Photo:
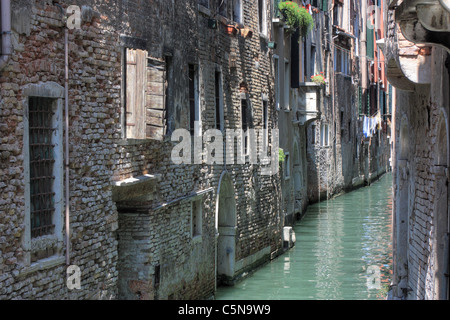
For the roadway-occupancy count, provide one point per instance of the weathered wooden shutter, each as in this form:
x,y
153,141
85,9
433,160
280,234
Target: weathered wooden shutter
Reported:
x,y
135,95
155,105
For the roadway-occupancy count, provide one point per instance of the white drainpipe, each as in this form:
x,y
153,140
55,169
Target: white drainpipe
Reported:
x,y
67,160
5,33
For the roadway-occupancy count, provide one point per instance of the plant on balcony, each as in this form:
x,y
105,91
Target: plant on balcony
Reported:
x,y
281,156
319,78
296,17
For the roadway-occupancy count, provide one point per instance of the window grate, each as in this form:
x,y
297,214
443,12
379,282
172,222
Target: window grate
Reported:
x,y
42,162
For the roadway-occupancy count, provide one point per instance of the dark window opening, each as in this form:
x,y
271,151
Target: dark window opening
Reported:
x,y
42,161
244,115
192,97
157,275
218,100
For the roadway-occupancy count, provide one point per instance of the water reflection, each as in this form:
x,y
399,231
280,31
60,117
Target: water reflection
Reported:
x,y
343,251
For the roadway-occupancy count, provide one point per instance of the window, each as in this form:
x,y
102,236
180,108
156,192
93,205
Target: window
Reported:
x,y
194,111
324,135
218,100
145,80
265,123
287,166
313,61
245,126
44,156
313,134
276,67
42,160
157,276
342,61
222,7
43,163
304,61
262,16
237,11
169,102
349,130
287,85
338,14
196,218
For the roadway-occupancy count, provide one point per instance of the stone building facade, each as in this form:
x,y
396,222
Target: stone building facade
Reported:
x,y
137,224
418,64
297,102
340,157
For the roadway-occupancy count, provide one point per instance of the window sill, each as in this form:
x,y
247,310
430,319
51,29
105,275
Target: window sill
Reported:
x,y
206,11
197,239
42,265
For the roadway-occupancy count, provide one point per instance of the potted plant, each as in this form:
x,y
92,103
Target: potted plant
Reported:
x,y
319,78
231,29
246,32
296,17
281,156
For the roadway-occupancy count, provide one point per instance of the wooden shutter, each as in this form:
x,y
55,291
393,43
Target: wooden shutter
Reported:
x,y
370,42
135,95
156,93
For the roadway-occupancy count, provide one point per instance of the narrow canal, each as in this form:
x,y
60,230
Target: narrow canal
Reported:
x,y
343,252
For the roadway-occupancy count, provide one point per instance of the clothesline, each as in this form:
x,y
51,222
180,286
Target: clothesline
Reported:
x,y
371,124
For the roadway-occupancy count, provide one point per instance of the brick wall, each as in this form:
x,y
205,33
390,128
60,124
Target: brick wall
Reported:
x,y
106,235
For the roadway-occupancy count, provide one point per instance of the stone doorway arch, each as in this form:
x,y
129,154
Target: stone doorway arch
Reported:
x,y
225,230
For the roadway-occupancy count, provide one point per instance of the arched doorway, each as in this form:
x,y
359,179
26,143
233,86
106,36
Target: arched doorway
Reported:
x,y
226,230
298,179
441,219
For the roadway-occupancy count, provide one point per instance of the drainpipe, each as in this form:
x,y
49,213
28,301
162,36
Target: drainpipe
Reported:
x,y
5,33
67,160
66,111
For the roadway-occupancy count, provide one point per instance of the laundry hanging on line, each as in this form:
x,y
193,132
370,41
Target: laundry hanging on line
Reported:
x,y
371,124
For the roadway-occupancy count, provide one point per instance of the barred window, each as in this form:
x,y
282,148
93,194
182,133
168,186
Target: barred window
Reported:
x,y
42,161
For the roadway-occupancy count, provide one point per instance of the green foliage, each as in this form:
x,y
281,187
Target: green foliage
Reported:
x,y
297,17
319,78
281,155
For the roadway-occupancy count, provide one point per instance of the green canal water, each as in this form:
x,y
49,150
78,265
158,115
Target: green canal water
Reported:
x,y
343,252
